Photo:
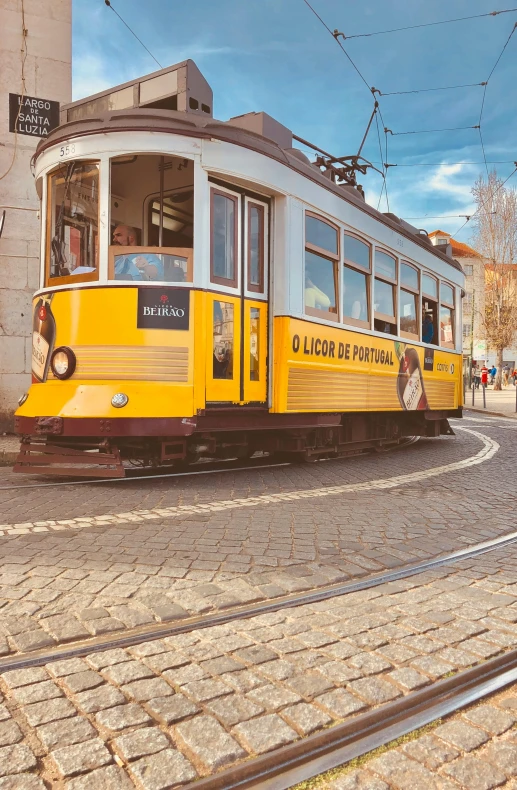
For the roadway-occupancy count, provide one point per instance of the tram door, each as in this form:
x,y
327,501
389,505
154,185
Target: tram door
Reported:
x,y
238,299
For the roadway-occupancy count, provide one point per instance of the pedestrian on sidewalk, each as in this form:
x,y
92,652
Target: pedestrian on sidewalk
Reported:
x,y
493,371
476,376
514,376
484,376
506,375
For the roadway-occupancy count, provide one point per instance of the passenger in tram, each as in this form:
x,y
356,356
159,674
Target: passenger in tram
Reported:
x,y
314,297
135,267
427,329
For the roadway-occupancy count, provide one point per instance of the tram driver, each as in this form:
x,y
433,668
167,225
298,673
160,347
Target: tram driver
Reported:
x,y
135,266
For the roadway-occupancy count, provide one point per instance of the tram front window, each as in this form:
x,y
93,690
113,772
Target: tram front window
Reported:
x,y
152,219
73,214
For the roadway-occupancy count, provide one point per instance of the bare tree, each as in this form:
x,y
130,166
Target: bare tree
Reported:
x,y
495,237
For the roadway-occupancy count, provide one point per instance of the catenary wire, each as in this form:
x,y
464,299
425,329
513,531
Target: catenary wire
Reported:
x,y
333,34
500,186
108,3
426,90
449,164
484,97
439,216
24,52
426,131
430,24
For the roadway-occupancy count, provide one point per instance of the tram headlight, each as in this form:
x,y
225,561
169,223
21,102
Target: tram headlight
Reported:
x,y
23,398
63,362
119,400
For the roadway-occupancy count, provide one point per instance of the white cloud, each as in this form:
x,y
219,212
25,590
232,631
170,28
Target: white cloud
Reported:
x,y
90,75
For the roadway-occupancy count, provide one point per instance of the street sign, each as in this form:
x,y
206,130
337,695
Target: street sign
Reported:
x,y
32,116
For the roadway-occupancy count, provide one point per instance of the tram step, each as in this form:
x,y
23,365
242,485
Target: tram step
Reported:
x,y
49,459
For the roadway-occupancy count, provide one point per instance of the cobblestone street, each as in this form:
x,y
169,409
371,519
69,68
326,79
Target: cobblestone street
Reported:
x,y
110,559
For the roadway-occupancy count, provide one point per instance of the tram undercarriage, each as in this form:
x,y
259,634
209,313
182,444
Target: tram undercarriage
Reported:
x,y
47,449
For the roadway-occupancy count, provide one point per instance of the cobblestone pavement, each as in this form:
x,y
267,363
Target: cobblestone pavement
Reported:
x,y
70,584
473,750
168,711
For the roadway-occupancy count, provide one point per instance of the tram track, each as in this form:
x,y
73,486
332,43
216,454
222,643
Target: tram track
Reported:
x,y
220,467
332,747
136,636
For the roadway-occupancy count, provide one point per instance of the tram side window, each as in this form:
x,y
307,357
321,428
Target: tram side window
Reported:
x,y
321,265
152,218
429,310
384,296
256,251
73,223
223,264
409,301
446,316
356,281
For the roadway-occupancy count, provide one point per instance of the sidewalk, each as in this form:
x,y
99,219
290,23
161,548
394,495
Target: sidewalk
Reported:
x,y
502,402
9,448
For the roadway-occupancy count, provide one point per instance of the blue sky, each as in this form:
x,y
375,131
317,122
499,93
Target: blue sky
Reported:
x,y
275,56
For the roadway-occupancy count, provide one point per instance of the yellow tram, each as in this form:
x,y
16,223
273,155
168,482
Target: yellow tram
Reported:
x,y
208,291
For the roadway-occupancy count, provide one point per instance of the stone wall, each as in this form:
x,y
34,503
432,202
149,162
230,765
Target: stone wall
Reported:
x,y
48,75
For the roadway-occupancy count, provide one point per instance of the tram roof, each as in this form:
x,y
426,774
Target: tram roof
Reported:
x,y
205,127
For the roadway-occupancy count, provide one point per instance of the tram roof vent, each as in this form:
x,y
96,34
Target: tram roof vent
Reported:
x,y
263,124
180,87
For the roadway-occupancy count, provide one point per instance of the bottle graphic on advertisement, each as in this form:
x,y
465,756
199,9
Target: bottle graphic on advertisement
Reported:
x,y
410,381
43,337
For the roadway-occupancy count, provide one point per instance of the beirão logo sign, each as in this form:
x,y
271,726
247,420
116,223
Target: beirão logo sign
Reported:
x,y
163,308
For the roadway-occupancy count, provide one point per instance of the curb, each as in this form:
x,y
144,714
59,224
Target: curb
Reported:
x,y
492,413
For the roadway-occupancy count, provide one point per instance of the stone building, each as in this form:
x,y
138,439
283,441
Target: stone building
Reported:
x,y
35,61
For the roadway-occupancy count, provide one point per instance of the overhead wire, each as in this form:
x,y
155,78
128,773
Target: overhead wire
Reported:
x,y
429,24
428,131
24,52
426,90
334,35
484,97
385,164
108,3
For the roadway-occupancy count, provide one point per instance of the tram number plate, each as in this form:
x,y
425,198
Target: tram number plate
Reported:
x,y
163,308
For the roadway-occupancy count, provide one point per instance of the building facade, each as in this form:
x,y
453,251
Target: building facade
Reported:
x,y
35,61
475,267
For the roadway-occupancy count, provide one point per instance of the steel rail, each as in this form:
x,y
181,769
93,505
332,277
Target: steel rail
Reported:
x,y
257,465
327,749
159,631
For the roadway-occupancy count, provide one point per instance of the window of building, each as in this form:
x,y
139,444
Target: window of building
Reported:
x,y
467,300
446,315
429,310
223,261
409,301
467,331
356,281
321,265
468,268
73,224
384,293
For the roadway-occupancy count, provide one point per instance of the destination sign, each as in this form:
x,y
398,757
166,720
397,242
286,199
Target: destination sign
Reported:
x,y
32,116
